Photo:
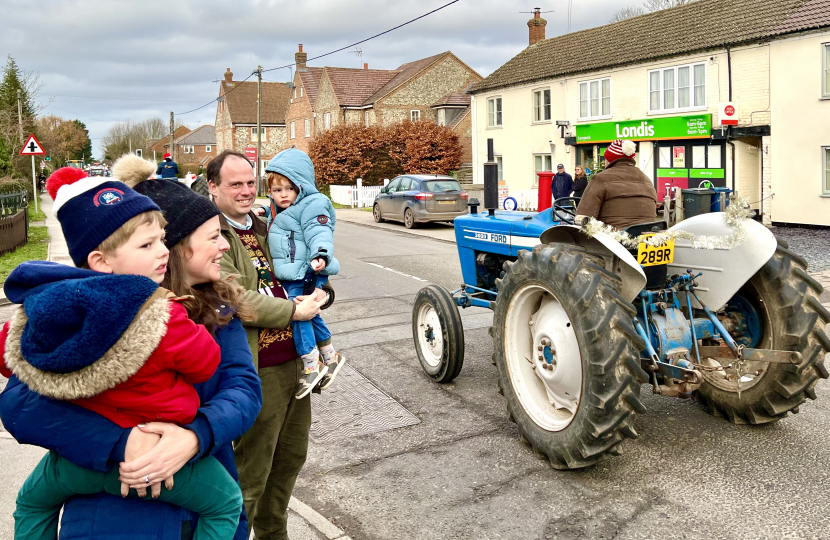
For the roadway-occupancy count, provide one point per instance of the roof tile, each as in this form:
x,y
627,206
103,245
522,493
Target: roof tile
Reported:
x,y
241,100
310,78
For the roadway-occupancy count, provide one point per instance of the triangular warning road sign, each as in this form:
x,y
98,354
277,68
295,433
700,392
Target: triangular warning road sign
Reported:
x,y
32,147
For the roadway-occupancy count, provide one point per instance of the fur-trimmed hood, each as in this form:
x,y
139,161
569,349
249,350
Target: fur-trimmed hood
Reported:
x,y
80,332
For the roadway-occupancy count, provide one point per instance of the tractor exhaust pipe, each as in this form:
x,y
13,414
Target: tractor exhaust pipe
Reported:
x,y
491,181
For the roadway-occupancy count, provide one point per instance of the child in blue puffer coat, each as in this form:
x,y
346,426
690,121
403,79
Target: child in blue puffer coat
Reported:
x,y
301,239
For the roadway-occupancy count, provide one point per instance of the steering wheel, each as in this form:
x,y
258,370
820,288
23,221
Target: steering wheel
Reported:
x,y
568,211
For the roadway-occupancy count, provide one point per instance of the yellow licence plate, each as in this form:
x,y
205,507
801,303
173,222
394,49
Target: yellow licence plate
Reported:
x,y
446,202
653,255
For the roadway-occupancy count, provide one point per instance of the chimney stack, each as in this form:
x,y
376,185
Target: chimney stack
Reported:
x,y
300,59
536,27
228,76
365,65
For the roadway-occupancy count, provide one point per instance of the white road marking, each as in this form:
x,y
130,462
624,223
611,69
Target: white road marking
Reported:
x,y
399,273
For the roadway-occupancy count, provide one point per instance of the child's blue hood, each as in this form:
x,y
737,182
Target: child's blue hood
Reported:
x,y
295,165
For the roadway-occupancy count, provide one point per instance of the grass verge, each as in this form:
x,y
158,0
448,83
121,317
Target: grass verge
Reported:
x,y
35,216
364,209
34,250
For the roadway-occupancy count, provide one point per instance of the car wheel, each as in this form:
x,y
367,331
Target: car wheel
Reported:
x,y
409,219
376,214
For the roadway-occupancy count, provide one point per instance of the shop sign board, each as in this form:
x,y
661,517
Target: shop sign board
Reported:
x,y
706,173
673,127
728,114
250,153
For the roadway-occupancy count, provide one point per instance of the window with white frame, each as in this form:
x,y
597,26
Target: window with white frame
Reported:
x,y
414,115
208,148
494,114
301,91
677,88
541,105
500,168
595,99
295,93
254,137
293,133
327,121
541,162
188,149
826,183
442,117
825,71
307,127
366,118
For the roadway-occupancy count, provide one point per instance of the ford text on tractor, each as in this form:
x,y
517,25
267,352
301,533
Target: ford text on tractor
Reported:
x,y
581,322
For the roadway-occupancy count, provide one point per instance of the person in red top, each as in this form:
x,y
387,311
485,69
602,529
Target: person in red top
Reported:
x,y
106,337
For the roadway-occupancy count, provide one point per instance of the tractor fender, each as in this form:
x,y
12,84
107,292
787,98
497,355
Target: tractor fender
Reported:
x,y
632,275
725,271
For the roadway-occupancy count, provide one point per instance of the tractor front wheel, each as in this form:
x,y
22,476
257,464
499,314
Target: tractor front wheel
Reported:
x,y
438,333
567,354
779,309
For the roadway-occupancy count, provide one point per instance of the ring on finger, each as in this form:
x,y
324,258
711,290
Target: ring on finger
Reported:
x,y
147,479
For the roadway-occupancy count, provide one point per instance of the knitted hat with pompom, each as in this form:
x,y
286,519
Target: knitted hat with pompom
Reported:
x,y
619,149
90,209
184,209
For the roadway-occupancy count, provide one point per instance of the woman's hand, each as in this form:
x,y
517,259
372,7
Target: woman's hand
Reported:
x,y
308,306
138,444
175,448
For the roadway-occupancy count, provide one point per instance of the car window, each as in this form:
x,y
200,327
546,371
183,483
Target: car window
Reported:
x,y
393,185
406,184
440,186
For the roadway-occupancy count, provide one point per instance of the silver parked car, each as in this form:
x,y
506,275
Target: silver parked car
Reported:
x,y
420,198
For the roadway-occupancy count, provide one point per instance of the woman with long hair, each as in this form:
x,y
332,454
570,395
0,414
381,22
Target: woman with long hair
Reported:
x,y
149,455
580,181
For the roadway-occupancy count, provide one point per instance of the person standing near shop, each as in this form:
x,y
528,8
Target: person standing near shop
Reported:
x,y
562,183
168,167
580,181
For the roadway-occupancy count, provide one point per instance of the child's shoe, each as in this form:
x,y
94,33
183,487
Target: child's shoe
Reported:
x,y
311,378
333,366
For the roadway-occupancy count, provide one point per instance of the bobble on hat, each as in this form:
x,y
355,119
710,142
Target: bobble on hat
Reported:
x,y
63,177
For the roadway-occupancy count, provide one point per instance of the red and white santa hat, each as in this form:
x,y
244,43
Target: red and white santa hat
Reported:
x,y
619,149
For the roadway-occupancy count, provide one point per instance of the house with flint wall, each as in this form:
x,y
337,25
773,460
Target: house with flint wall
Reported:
x,y
430,89
236,117
664,80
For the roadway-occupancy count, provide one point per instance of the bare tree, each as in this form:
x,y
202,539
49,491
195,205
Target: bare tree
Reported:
x,y
657,5
626,13
128,135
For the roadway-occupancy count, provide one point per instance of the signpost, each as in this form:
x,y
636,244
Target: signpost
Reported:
x,y
33,148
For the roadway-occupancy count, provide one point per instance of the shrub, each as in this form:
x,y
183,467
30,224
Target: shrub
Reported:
x,y
345,153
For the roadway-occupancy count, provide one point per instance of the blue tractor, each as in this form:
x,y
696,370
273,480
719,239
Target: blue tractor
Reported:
x,y
581,323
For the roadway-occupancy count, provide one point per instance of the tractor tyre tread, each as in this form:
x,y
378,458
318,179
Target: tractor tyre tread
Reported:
x,y
611,371
797,319
452,330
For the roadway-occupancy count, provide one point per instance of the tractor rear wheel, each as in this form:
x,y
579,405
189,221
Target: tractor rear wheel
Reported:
x,y
567,354
438,333
781,309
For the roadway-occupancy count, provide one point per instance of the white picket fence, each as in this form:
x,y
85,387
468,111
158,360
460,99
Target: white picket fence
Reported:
x,y
357,196
527,199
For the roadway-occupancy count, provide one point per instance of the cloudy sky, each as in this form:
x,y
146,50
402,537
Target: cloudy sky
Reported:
x,y
148,57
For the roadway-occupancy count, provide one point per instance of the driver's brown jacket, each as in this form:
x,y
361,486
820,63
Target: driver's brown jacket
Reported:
x,y
620,196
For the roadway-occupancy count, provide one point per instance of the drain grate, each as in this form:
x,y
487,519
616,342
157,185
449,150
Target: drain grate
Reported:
x,y
353,406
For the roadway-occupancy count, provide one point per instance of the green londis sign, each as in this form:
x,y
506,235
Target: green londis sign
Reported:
x,y
672,173
674,127
706,173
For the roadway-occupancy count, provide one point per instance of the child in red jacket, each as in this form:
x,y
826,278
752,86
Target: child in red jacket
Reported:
x,y
115,343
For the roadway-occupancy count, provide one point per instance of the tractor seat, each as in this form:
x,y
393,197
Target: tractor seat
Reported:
x,y
655,275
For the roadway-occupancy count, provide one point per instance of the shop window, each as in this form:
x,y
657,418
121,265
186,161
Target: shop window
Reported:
x,y
595,99
665,161
826,186
541,162
541,105
677,88
825,87
307,127
714,161
698,157
293,133
494,114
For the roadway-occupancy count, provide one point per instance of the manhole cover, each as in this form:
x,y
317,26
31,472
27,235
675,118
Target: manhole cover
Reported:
x,y
354,406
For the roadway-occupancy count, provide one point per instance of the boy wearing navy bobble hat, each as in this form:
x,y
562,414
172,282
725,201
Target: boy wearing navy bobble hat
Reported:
x,y
106,337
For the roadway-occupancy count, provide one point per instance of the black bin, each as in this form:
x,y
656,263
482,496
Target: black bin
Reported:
x,y
697,201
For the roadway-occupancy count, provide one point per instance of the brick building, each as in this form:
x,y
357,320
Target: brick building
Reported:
x,y
194,149
659,79
236,116
430,89
158,147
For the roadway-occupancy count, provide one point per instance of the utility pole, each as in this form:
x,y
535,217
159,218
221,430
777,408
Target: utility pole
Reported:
x,y
258,126
20,116
172,156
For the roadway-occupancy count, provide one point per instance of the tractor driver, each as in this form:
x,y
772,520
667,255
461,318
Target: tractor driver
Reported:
x,y
621,195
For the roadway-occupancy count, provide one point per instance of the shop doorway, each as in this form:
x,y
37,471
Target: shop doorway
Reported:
x,y
688,164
